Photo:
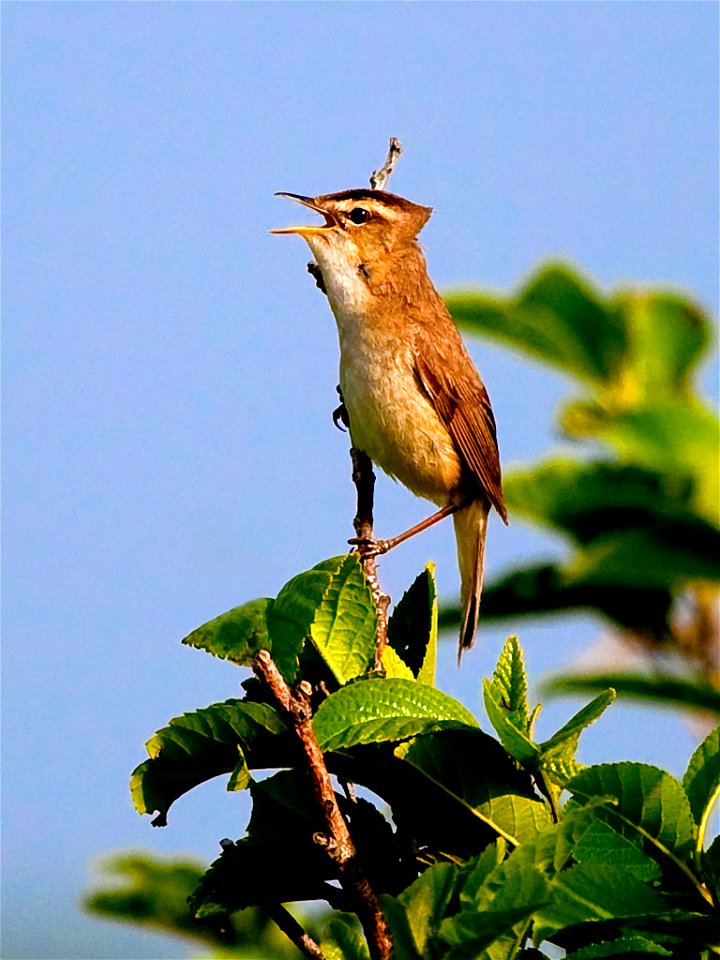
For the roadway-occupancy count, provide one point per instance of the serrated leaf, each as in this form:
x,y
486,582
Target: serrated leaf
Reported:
x,y
557,755
236,635
509,684
198,746
412,628
255,872
624,946
648,800
332,605
702,780
476,772
517,743
508,898
590,892
373,711
345,623
425,903
600,844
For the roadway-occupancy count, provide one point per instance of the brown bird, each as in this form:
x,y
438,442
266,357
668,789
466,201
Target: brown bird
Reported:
x,y
416,404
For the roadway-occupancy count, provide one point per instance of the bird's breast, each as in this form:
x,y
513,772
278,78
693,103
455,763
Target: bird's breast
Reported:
x,y
391,419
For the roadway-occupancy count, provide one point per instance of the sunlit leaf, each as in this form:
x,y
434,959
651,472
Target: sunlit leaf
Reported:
x,y
372,711
236,635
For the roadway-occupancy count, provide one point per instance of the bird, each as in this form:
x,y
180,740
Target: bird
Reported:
x,y
415,402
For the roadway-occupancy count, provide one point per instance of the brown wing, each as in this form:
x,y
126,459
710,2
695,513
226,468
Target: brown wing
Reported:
x,y
461,400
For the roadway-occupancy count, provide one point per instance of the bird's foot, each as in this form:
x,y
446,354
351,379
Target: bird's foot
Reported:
x,y
370,547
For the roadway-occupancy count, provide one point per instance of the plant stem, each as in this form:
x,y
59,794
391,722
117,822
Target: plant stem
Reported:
x,y
294,932
336,841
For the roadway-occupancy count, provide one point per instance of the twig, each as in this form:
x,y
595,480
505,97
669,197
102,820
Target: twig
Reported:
x,y
364,480
338,843
379,178
294,932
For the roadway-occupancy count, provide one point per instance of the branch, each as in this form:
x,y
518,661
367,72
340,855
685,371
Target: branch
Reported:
x,y
295,705
294,932
364,480
379,178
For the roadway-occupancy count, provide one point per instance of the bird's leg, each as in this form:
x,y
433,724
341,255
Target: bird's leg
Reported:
x,y
370,547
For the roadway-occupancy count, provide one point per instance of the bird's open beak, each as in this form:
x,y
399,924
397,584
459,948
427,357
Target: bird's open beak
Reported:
x,y
309,202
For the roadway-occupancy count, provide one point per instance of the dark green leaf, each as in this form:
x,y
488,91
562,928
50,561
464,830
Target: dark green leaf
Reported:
x,y
658,688
592,892
702,779
543,589
631,947
473,769
198,746
371,711
600,844
710,860
647,799
412,628
424,904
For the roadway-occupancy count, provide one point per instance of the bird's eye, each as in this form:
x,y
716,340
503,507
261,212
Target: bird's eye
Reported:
x,y
359,215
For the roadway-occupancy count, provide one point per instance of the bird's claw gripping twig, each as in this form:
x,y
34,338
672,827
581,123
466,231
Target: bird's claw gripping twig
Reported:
x,y
370,547
340,414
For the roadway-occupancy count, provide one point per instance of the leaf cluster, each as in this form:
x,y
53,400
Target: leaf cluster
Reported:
x,y
463,834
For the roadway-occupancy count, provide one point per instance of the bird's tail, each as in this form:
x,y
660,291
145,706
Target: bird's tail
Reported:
x,y
470,530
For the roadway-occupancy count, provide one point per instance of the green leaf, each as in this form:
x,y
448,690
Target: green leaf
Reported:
x,y
676,437
236,635
710,860
331,604
509,897
517,743
372,711
586,500
424,904
669,554
472,769
658,688
394,666
342,938
623,947
556,317
509,684
412,628
702,781
591,892
648,800
557,755
600,844
542,588
198,746
667,337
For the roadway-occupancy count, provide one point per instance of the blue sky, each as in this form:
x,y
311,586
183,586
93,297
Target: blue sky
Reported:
x,y
169,368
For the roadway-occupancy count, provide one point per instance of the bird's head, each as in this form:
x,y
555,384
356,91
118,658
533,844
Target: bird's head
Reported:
x,y
360,227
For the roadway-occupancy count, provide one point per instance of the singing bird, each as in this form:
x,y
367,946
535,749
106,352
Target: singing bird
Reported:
x,y
415,402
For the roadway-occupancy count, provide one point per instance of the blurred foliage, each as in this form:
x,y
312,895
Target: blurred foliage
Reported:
x,y
639,504
153,892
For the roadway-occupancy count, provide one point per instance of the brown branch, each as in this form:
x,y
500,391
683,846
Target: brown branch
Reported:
x,y
294,932
364,480
379,178
336,841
